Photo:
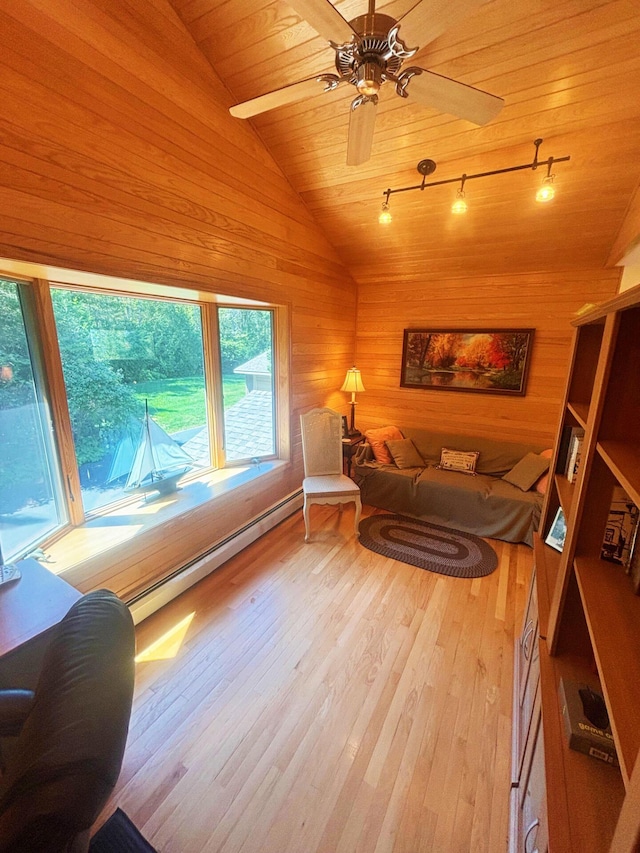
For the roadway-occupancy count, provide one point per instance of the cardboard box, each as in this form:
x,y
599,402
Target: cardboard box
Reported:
x,y
582,735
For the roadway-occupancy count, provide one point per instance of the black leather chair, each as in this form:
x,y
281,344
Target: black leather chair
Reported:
x,y
71,731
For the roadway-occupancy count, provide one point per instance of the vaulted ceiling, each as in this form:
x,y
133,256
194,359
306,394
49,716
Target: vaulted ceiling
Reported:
x,y
569,72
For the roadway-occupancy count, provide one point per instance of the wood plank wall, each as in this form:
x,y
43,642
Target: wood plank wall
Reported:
x,y
546,302
118,156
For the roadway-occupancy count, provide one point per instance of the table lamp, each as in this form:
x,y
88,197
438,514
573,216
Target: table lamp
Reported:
x,y
353,383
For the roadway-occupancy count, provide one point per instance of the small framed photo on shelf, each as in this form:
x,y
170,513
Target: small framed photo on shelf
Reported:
x,y
345,427
621,530
555,537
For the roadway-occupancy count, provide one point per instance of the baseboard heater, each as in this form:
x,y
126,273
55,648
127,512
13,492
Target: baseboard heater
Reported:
x,y
181,579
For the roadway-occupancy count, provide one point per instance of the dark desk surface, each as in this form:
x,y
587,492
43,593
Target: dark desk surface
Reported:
x,y
32,605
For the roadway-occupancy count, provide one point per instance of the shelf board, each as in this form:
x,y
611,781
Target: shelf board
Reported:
x,y
623,459
584,795
580,412
612,612
565,493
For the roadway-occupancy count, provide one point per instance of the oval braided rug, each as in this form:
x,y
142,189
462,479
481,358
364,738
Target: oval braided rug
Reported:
x,y
428,546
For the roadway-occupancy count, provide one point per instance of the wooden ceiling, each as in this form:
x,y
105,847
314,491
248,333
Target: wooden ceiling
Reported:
x,y
569,72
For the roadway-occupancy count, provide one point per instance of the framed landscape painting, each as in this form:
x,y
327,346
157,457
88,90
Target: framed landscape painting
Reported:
x,y
493,361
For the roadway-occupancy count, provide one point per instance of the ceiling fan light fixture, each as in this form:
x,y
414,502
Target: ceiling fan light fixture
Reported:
x,y
369,78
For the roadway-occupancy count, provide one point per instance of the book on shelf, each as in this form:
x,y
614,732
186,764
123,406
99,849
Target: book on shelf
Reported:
x,y
620,534
575,455
564,448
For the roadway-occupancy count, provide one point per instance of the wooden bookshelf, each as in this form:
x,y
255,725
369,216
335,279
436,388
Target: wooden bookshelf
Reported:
x,y
589,614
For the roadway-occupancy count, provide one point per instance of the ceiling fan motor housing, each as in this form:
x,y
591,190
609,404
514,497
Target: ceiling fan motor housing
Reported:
x,y
367,62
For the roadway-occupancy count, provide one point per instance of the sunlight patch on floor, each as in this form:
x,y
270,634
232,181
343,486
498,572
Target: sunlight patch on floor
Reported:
x,y
168,645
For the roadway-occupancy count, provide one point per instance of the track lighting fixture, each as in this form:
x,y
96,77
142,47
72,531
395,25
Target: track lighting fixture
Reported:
x,y
385,214
459,206
547,190
426,167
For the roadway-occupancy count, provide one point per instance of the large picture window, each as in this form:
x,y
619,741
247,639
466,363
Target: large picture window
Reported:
x,y
31,500
115,393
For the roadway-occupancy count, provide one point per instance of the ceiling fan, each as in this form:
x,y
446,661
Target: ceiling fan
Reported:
x,y
370,51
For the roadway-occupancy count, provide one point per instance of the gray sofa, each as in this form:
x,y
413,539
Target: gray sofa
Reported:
x,y
483,504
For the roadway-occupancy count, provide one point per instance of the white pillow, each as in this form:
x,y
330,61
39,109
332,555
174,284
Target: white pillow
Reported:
x,y
463,461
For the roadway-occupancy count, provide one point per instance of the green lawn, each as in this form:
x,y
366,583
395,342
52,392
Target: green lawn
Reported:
x,y
178,404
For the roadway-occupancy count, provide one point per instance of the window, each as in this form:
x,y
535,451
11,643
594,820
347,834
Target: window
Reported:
x,y
31,500
134,375
246,357
143,385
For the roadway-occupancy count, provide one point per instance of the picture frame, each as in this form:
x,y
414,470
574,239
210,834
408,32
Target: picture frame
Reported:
x,y
345,427
557,531
621,529
484,361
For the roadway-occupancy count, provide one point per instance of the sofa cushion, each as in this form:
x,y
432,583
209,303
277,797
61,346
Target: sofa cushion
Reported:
x,y
405,454
541,485
496,457
463,461
377,438
527,471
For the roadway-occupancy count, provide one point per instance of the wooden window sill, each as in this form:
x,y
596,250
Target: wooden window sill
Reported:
x,y
124,523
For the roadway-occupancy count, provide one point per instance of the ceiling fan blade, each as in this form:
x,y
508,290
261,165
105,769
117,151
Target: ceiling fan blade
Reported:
x,y
325,20
450,96
280,97
362,120
428,19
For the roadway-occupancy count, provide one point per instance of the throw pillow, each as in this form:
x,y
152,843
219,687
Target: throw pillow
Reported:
x,y
405,454
541,485
377,438
527,471
459,460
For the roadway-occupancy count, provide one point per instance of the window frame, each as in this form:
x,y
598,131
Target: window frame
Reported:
x,y
27,292
42,336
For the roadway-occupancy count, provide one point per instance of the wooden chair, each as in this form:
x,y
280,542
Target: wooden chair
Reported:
x,y
324,482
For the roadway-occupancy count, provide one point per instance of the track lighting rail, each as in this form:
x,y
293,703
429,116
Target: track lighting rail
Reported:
x,y
428,167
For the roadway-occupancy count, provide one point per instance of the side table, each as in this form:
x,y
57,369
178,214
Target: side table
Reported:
x,y
30,608
349,447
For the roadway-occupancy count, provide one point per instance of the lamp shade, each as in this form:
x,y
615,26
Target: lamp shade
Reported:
x,y
353,381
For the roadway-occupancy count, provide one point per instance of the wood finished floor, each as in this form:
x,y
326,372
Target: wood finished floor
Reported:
x,y
325,699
